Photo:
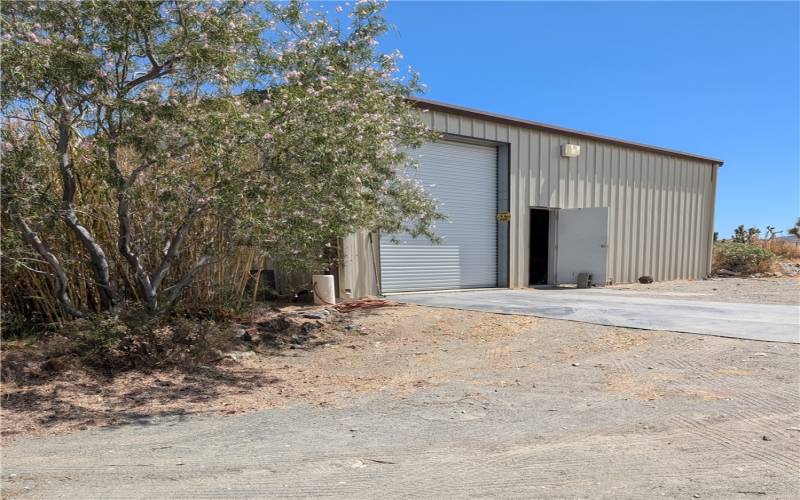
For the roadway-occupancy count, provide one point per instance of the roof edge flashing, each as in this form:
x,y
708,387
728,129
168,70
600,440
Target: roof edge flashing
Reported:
x,y
510,120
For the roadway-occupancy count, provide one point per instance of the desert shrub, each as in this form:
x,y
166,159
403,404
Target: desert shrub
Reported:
x,y
789,249
742,258
111,344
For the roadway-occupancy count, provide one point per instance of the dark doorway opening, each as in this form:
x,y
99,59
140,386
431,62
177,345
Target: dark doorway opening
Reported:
x,y
539,246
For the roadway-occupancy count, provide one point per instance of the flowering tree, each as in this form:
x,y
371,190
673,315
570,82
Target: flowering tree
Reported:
x,y
268,125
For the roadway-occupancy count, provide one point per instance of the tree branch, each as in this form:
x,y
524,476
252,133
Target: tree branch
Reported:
x,y
174,247
148,50
175,290
155,72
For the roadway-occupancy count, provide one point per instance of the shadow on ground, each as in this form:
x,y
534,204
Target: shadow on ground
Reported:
x,y
83,400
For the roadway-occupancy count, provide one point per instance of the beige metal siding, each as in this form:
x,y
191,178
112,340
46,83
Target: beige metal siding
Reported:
x,y
661,206
358,265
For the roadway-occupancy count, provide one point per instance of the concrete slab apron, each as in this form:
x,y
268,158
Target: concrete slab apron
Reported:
x,y
767,322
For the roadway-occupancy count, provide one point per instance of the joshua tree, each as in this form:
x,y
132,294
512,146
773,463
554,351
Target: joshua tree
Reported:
x,y
771,233
742,235
796,229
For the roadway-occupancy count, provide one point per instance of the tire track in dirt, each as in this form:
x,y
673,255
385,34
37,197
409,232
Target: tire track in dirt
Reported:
x,y
729,441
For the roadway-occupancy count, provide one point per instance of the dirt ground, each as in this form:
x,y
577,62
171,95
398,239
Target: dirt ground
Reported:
x,y
368,353
753,290
363,352
512,404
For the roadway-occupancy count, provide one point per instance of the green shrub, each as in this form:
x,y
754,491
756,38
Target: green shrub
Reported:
x,y
112,344
742,257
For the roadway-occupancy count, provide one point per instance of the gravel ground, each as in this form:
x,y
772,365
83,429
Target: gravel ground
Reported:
x,y
420,402
751,290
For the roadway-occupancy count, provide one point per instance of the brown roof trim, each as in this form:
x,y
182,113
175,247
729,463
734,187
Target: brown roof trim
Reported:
x,y
509,120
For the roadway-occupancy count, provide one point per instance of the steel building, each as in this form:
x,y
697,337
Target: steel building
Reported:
x,y
530,203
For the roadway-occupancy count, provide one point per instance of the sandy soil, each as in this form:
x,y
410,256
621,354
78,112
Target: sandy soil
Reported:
x,y
365,352
395,350
752,290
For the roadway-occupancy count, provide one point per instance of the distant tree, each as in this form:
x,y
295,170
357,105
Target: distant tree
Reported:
x,y
716,236
742,235
796,229
771,233
739,234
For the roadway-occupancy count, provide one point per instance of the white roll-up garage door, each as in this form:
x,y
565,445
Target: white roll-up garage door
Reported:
x,y
463,178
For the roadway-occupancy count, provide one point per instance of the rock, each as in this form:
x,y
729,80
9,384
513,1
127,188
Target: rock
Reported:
x,y
725,272
576,364
790,268
777,275
321,314
239,355
307,328
766,438
646,280
275,324
54,365
243,335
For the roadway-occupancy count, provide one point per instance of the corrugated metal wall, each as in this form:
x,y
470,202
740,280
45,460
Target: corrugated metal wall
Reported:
x,y
661,205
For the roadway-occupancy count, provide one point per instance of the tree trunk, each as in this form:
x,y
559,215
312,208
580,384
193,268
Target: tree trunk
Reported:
x,y
124,236
124,245
37,244
99,263
174,248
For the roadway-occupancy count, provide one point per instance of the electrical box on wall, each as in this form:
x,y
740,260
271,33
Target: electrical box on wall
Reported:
x,y
570,150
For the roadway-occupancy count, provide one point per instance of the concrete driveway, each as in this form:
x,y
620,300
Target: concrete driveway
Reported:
x,y
767,322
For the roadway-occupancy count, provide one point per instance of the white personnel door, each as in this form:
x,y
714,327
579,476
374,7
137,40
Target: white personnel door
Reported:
x,y
463,178
582,244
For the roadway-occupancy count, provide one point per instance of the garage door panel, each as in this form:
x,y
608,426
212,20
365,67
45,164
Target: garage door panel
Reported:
x,y
463,179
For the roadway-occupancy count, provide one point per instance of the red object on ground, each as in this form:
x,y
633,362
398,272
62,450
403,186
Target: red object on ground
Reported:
x,y
353,304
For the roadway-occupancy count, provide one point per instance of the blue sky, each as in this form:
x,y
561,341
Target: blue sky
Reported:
x,y
718,79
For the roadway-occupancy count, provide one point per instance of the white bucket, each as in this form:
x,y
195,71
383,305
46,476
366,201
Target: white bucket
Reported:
x,y
323,288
